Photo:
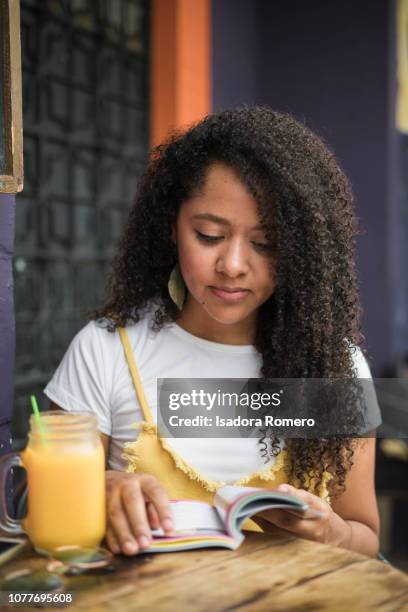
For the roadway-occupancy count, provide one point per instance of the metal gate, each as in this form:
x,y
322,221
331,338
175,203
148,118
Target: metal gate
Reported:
x,y
85,105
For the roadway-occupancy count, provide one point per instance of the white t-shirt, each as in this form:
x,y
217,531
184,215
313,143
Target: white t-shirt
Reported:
x,y
93,376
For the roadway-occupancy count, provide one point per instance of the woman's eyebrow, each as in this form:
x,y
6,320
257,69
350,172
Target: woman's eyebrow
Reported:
x,y
220,220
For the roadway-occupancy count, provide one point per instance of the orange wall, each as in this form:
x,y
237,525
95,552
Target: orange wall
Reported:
x,y
180,65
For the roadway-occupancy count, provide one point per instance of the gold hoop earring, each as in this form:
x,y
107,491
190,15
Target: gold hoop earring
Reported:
x,y
177,287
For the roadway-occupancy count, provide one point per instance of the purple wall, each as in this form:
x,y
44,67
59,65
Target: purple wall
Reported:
x,y
331,65
236,52
7,327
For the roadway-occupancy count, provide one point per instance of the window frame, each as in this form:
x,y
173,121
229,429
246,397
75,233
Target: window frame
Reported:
x,y
11,180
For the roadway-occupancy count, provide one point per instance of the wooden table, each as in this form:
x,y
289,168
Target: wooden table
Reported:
x,y
266,573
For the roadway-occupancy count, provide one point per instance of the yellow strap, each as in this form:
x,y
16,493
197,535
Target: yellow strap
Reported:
x,y
135,375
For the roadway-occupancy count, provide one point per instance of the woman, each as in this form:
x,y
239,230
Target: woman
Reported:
x,y
236,262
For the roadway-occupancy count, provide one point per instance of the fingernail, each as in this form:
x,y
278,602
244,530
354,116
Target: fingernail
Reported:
x,y
167,524
284,488
144,542
130,546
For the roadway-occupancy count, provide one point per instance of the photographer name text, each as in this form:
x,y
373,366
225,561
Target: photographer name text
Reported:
x,y
238,421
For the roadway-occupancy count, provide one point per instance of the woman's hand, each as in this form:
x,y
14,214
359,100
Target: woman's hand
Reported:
x,y
135,503
327,527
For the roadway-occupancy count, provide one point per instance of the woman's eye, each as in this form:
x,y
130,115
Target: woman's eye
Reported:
x,y
263,246
207,238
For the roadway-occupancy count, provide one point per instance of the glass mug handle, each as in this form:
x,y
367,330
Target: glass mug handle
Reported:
x,y
8,524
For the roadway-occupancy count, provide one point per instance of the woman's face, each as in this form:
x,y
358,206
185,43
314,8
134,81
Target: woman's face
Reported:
x,y
225,259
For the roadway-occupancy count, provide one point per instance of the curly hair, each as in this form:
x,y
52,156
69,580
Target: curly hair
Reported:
x,y
305,203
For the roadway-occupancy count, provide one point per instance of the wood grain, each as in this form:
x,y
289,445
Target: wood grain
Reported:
x,y
265,573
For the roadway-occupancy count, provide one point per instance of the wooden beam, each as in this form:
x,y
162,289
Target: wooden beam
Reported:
x,y
180,65
11,181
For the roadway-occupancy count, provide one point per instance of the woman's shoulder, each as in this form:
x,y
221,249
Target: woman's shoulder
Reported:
x,y
360,363
100,336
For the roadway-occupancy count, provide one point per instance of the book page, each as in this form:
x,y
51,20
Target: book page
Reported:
x,y
227,495
236,504
191,516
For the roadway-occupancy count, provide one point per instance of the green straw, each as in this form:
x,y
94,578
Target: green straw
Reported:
x,y
37,416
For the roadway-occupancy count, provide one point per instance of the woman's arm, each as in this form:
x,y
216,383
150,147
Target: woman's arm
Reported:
x,y
352,521
357,505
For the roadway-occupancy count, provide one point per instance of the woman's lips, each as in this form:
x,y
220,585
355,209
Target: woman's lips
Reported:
x,y
230,296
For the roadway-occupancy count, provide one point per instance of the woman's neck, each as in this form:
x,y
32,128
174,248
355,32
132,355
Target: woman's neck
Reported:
x,y
196,321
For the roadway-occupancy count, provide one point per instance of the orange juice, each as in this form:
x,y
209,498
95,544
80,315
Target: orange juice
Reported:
x,y
66,485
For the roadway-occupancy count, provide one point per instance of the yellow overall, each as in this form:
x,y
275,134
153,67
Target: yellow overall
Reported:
x,y
151,454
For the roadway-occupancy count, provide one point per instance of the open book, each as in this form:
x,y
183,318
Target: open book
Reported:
x,y
200,525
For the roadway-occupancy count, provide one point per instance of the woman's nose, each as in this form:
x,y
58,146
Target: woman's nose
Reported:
x,y
233,259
